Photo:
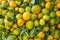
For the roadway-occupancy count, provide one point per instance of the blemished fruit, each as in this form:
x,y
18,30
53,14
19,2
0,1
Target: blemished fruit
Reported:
x,y
30,19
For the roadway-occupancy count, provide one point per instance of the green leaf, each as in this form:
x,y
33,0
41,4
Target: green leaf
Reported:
x,y
27,32
3,38
52,32
11,37
57,20
25,4
32,31
39,1
33,1
0,34
21,32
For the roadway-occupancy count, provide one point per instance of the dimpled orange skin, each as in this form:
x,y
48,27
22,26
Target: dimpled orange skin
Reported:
x,y
12,4
58,5
26,16
58,13
20,22
41,35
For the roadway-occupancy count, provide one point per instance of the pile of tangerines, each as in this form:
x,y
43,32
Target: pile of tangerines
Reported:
x,y
30,20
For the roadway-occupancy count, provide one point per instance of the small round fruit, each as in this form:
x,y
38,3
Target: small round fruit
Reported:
x,y
11,29
45,11
18,2
40,16
20,22
48,5
18,16
46,17
46,28
50,37
36,9
58,5
52,21
41,35
59,25
52,14
56,34
25,37
1,11
16,32
36,22
10,14
30,38
28,9
4,12
29,25
42,4
58,13
33,17
21,10
26,15
1,21
4,4
42,22
12,4
15,25
7,27
17,8
53,27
